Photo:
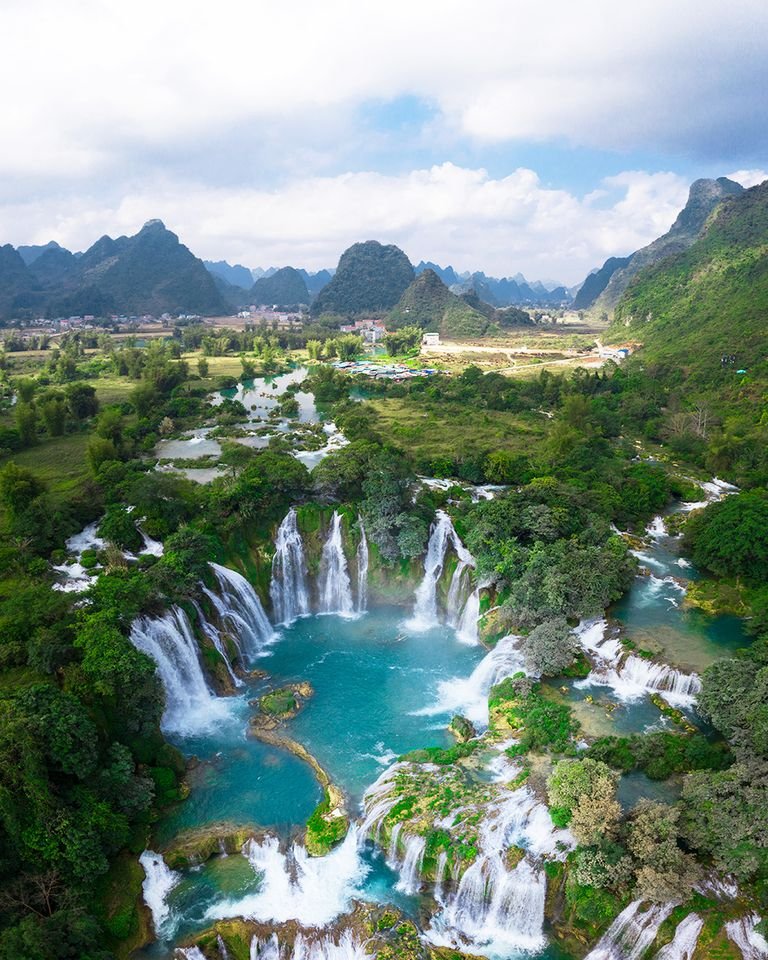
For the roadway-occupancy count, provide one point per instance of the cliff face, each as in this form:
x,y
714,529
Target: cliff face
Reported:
x,y
703,197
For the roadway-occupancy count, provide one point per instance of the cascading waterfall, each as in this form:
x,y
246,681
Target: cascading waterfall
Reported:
x,y
212,632
288,589
190,953
295,886
321,948
467,629
630,676
158,882
240,608
457,592
362,569
751,944
493,904
190,706
631,933
442,535
683,944
469,695
410,871
334,588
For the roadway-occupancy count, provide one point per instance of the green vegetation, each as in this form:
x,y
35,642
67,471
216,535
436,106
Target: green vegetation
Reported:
x,y
369,278
286,287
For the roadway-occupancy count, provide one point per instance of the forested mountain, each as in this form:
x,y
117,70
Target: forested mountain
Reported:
x,y
151,272
30,253
286,287
316,281
370,277
429,304
703,197
499,292
710,300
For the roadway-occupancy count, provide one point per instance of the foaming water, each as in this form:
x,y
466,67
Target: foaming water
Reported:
x,y
334,586
631,933
240,608
289,589
305,947
442,537
683,944
751,944
190,705
469,696
158,882
629,676
294,886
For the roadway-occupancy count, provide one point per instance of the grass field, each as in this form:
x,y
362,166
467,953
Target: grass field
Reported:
x,y
428,429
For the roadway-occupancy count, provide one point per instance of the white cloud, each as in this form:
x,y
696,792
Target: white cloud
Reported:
x,y
446,213
100,82
748,178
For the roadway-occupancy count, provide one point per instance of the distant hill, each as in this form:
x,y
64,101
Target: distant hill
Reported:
x,y
285,287
151,272
703,197
370,278
30,253
709,300
596,282
447,274
500,292
316,281
237,274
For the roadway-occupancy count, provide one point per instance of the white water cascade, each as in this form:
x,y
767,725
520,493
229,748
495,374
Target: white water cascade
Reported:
x,y
321,948
288,589
469,695
442,536
494,906
751,944
361,557
190,706
683,944
158,882
467,629
631,933
239,608
631,677
295,886
334,587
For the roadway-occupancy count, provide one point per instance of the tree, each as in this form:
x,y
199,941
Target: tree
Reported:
x,y
54,412
404,340
18,487
202,367
662,871
731,537
26,423
582,793
119,527
82,402
550,648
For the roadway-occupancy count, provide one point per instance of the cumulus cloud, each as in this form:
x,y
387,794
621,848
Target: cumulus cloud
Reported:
x,y
749,178
104,80
446,213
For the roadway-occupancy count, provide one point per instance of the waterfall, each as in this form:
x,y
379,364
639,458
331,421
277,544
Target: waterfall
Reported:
x,y
684,942
441,537
469,695
631,677
158,882
295,886
213,634
334,588
467,629
223,952
322,948
190,953
288,589
190,707
240,608
631,933
456,593
362,569
495,906
410,872
151,547
751,944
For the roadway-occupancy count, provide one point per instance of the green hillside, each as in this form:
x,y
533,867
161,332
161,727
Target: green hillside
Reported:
x,y
429,304
711,300
370,278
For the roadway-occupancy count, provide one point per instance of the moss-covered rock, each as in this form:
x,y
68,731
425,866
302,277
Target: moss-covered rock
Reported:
x,y
462,729
194,847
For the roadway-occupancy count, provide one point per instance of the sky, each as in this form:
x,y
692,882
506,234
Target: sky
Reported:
x,y
496,135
